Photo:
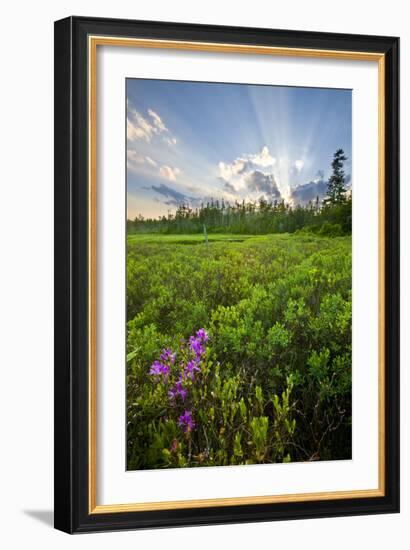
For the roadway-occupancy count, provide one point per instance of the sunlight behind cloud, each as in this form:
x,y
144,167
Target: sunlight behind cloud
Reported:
x,y
232,142
299,165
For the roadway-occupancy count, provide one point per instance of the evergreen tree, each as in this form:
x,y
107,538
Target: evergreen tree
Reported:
x,y
336,185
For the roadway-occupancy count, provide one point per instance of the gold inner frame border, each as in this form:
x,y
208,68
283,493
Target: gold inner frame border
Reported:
x,y
93,43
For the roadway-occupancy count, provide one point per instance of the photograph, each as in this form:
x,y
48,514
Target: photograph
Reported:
x,y
239,274
227,291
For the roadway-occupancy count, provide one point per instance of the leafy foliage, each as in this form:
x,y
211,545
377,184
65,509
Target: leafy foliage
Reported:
x,y
239,350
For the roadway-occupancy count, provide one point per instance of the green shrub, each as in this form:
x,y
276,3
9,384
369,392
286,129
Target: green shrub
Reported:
x,y
275,381
330,230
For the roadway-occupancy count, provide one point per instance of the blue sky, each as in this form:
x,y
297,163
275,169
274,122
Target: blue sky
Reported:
x,y
188,142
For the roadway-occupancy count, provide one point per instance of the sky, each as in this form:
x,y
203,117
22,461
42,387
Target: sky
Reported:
x,y
188,142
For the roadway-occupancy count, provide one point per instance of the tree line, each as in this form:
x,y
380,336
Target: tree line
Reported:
x,y
331,216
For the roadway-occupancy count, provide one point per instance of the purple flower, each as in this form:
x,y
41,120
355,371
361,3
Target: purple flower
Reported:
x,y
167,355
159,369
196,347
190,369
186,422
202,335
177,390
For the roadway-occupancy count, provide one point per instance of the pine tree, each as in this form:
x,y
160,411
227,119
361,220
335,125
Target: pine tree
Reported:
x,y
336,185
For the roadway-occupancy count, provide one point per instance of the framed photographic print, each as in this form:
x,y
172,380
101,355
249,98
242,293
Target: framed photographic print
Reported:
x,y
226,274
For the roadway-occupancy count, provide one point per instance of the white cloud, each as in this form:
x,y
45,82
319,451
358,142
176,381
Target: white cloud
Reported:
x,y
134,160
146,165
251,173
171,140
151,161
168,172
233,172
299,165
139,163
263,158
140,127
157,121
240,166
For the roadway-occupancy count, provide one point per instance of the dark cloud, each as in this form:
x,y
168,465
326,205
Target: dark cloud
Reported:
x,y
229,187
194,188
306,192
256,181
260,182
174,197
316,188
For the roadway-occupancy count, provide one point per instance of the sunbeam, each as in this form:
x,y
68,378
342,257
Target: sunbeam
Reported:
x,y
235,142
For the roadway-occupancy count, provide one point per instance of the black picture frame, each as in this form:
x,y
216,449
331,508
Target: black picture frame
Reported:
x,y
71,492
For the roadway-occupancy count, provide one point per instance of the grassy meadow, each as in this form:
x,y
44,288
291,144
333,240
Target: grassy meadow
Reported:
x,y
238,350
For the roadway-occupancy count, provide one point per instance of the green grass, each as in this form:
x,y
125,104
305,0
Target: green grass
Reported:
x,y
134,239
